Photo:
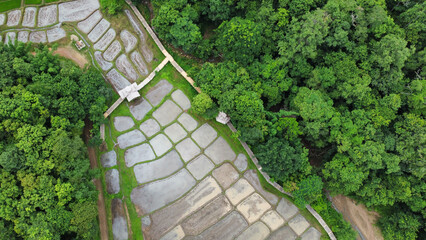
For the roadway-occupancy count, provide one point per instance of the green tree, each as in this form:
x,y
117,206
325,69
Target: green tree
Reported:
x,y
299,7
245,107
304,37
84,219
240,40
400,226
388,57
201,103
44,168
309,190
344,175
112,6
184,33
410,139
317,110
217,10
283,160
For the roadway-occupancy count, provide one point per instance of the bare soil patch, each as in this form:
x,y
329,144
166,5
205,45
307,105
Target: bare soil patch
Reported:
x,y
47,15
112,51
105,40
123,64
55,34
77,10
13,18
359,217
103,226
29,17
87,25
99,30
128,39
105,65
38,37
70,53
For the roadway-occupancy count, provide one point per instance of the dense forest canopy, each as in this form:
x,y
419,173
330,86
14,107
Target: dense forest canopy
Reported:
x,y
338,83
45,178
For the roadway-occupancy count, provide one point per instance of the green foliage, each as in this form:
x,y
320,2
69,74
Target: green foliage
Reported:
x,y
112,6
344,77
334,219
282,17
299,7
305,36
283,160
45,176
309,190
240,40
290,128
217,10
316,110
175,23
84,219
9,5
411,137
388,58
400,226
243,106
201,103
184,33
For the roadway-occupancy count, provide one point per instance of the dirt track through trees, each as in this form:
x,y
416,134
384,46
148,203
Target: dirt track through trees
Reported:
x,y
359,217
103,226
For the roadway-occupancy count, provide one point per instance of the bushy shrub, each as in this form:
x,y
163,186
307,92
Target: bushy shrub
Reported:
x,y
341,229
400,225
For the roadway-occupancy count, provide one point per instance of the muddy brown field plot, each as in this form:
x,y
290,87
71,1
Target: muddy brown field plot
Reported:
x,y
47,15
112,51
123,65
129,40
105,65
38,37
13,18
77,10
139,63
99,30
29,17
87,25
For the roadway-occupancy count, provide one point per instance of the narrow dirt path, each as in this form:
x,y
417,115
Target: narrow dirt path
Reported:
x,y
103,226
359,217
